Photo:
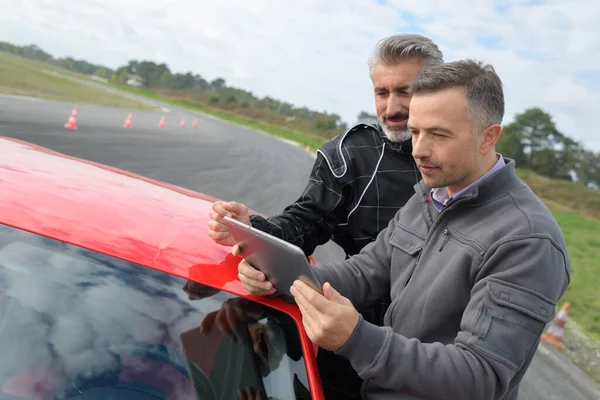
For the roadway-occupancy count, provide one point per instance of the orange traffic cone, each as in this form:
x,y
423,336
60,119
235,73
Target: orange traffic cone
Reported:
x,y
182,124
161,123
72,122
127,123
195,123
556,330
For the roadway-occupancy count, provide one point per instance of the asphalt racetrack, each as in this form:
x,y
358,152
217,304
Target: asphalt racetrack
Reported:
x,y
228,162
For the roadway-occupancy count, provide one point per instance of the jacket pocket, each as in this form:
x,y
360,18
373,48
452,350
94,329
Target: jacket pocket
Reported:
x,y
406,252
511,322
450,234
406,241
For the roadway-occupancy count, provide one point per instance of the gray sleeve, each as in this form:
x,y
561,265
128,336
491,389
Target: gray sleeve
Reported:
x,y
513,297
365,276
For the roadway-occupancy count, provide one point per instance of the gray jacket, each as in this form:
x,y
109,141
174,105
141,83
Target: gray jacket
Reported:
x,y
472,289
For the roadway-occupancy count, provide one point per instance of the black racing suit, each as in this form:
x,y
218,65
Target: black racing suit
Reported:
x,y
359,181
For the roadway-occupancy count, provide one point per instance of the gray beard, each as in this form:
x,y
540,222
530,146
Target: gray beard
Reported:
x,y
396,134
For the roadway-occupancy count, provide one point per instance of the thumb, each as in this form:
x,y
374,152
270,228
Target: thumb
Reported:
x,y
333,295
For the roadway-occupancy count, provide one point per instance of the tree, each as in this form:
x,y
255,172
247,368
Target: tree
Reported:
x,y
132,66
101,72
587,167
537,131
165,79
218,83
510,144
327,122
365,116
120,75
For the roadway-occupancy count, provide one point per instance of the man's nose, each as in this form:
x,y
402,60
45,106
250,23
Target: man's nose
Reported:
x,y
396,104
420,145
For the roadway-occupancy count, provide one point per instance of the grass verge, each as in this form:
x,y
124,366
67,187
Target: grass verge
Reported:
x,y
583,243
31,78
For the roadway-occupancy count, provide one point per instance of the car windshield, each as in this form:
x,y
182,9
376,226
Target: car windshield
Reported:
x,y
76,324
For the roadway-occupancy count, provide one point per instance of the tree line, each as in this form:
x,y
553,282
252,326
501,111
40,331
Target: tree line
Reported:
x,y
532,139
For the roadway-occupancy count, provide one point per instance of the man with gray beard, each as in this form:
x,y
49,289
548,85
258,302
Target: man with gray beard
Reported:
x,y
358,182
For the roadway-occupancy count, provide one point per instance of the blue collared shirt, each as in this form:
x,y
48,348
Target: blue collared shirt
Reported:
x,y
439,196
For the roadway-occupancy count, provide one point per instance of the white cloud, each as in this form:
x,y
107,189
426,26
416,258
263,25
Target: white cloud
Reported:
x,y
313,53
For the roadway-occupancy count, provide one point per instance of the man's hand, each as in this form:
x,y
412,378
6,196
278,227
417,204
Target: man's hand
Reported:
x,y
229,319
217,230
253,280
329,320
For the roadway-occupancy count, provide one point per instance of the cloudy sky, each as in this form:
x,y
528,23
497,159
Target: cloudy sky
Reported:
x,y
313,52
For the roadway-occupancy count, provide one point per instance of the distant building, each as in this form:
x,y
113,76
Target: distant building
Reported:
x,y
98,78
135,80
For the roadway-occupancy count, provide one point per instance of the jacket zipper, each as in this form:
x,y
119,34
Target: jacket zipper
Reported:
x,y
439,218
446,233
471,243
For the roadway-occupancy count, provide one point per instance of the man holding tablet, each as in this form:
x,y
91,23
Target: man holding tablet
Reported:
x,y
474,262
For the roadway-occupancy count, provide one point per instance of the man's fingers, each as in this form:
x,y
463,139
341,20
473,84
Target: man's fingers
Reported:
x,y
331,294
218,236
254,281
215,217
310,297
309,318
249,271
236,251
219,208
257,287
217,226
235,208
235,318
208,322
221,322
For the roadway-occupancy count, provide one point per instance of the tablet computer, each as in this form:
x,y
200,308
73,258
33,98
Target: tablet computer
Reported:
x,y
280,261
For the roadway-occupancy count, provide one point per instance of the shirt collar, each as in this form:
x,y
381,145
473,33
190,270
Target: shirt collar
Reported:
x,y
440,198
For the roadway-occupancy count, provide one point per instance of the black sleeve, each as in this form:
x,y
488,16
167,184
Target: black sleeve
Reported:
x,y
310,221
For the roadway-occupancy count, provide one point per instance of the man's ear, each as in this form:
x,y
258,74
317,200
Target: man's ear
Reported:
x,y
488,138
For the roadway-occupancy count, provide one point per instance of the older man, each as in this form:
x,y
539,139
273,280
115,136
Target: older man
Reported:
x,y
474,262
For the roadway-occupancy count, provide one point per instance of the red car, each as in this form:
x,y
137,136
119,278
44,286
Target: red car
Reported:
x,y
111,289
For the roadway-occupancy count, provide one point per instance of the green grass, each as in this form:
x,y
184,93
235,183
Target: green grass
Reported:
x,y
577,210
583,244
30,78
564,195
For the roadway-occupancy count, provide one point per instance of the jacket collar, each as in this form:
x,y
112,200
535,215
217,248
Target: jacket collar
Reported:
x,y
493,187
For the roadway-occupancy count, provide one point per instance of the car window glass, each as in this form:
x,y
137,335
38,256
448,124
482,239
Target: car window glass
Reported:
x,y
76,324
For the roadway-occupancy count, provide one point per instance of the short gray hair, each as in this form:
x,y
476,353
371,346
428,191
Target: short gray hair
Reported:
x,y
396,48
482,86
